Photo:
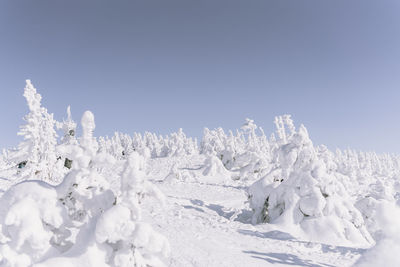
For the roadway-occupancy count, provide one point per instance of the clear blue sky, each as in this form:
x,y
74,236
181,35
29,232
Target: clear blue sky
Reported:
x,y
162,65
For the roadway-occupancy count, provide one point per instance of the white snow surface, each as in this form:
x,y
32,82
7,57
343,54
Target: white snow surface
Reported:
x,y
209,224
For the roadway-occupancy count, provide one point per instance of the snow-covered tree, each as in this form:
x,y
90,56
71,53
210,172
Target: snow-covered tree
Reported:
x,y
83,221
300,191
136,243
40,138
68,127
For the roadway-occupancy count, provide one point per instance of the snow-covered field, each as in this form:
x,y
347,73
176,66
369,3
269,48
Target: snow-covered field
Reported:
x,y
209,224
233,199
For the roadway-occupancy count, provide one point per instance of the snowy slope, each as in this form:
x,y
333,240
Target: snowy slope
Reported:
x,y
208,224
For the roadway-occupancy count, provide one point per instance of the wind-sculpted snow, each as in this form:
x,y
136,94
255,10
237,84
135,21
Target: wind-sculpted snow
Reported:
x,y
236,199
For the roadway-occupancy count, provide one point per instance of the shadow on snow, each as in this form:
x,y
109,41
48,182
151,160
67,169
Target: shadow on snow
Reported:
x,y
292,259
283,258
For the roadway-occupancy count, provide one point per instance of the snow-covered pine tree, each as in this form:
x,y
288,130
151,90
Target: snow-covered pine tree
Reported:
x,y
302,191
40,138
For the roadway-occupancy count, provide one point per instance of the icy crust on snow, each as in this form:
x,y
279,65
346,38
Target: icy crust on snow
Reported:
x,y
301,192
82,221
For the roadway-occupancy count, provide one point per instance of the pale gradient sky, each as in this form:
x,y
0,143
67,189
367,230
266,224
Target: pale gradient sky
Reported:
x,y
162,65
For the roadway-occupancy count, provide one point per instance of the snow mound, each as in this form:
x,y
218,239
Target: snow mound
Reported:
x,y
214,167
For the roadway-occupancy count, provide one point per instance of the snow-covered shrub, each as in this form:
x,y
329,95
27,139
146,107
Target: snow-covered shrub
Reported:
x,y
300,191
132,242
31,221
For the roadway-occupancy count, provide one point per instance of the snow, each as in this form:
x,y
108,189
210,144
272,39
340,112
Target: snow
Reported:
x,y
234,200
385,253
209,224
